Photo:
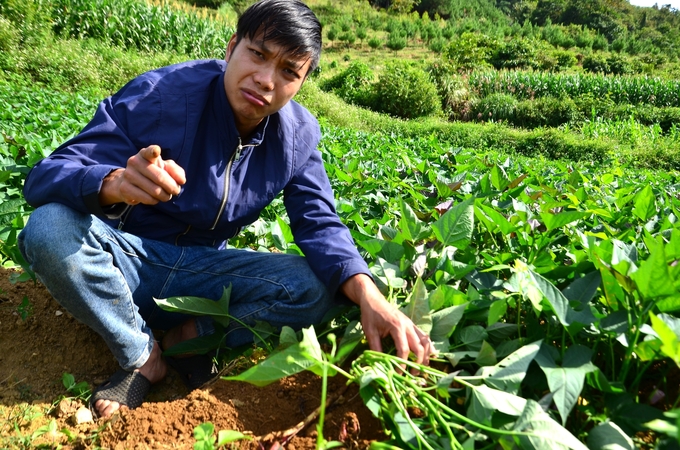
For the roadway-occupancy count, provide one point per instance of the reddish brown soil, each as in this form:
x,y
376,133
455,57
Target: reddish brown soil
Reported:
x,y
37,351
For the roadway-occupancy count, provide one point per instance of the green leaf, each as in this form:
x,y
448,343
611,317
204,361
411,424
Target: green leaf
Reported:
x,y
559,220
445,295
388,274
508,374
224,437
609,436
584,288
455,227
287,337
390,251
445,320
566,382
404,428
654,282
68,380
418,307
669,339
411,227
645,204
218,310
542,432
535,287
473,336
669,425
497,311
204,431
486,356
499,219
485,401
499,179
282,234
289,361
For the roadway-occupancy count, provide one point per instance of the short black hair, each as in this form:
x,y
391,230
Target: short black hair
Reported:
x,y
288,23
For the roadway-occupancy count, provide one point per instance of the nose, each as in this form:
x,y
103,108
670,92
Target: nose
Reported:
x,y
265,78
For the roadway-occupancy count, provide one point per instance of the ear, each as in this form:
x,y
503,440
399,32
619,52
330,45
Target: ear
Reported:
x,y
230,47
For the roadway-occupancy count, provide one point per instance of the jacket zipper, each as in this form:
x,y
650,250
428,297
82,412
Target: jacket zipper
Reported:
x,y
235,157
227,177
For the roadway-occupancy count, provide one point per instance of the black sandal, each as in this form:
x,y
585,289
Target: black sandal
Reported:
x,y
126,388
195,370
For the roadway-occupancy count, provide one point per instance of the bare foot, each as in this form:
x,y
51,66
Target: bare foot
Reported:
x,y
154,370
180,333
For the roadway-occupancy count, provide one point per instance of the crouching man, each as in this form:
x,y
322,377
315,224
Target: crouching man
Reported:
x,y
140,204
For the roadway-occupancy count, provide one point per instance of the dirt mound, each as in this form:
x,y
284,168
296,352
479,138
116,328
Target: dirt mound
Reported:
x,y
36,350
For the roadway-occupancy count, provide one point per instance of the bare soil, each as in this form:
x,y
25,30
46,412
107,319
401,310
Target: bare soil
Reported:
x,y
36,351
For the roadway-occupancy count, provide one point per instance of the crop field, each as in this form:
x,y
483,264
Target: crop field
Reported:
x,y
541,282
550,286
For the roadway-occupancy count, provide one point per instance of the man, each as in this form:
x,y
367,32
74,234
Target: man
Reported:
x,y
140,204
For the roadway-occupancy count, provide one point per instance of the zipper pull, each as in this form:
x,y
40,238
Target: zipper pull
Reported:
x,y
237,154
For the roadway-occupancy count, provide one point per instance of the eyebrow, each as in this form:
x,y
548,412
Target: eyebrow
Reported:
x,y
296,64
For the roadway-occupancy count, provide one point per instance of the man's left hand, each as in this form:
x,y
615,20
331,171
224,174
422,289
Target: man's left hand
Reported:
x,y
380,319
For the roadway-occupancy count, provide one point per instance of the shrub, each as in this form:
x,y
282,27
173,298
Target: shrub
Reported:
x,y
396,42
352,84
565,59
361,33
545,112
618,65
496,107
651,115
405,91
471,50
332,33
555,144
453,91
591,106
375,43
595,64
514,54
348,38
438,45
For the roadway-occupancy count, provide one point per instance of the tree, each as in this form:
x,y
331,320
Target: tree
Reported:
x,y
396,42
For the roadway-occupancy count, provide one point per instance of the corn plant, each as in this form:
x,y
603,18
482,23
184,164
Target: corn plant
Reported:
x,y
633,90
137,24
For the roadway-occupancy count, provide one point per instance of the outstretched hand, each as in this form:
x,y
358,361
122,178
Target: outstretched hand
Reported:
x,y
380,319
147,178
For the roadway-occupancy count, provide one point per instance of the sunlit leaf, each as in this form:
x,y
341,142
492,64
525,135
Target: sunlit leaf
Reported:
x,y
645,204
454,228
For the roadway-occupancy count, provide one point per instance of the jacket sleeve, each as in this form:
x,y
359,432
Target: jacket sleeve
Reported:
x,y
73,174
318,231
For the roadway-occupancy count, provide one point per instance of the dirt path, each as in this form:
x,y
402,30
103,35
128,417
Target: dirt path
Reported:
x,y
36,351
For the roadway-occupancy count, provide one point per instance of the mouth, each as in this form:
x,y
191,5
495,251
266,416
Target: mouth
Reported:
x,y
254,98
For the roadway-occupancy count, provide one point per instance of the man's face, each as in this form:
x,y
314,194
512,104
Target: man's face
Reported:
x,y
260,79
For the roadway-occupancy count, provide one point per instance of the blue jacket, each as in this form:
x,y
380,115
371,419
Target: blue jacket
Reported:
x,y
184,109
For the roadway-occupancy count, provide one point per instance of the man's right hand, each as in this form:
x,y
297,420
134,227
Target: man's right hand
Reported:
x,y
147,179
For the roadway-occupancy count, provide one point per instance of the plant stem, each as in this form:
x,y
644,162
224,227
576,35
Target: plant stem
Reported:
x,y
320,441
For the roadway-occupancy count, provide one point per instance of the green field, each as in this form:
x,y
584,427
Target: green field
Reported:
x,y
518,204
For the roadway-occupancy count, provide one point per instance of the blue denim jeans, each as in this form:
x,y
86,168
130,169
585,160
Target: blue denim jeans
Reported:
x,y
108,279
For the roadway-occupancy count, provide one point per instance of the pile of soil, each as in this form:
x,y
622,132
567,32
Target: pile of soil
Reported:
x,y
35,351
